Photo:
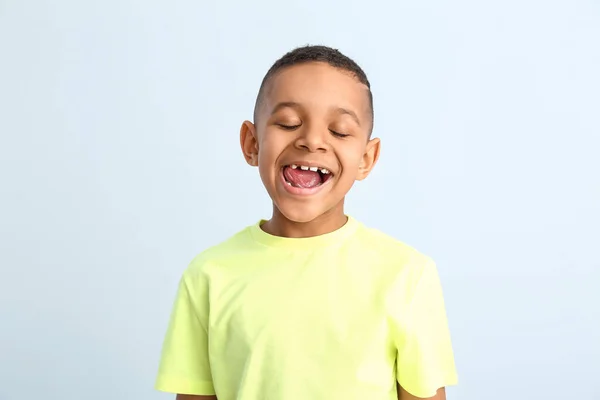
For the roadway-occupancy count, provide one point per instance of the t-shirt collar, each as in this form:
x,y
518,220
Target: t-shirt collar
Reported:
x,y
307,243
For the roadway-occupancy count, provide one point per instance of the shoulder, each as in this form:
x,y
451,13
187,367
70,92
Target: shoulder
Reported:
x,y
382,245
408,277
230,249
398,264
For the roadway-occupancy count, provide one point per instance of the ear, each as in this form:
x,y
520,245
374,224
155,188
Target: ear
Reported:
x,y
369,159
249,143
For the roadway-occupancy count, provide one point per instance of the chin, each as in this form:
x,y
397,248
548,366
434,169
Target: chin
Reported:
x,y
299,214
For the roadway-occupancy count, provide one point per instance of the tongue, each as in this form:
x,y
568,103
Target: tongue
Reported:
x,y
301,178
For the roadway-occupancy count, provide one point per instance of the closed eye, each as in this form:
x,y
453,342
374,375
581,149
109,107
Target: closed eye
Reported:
x,y
338,134
288,127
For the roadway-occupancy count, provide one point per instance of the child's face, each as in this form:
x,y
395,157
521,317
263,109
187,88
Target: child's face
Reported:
x,y
304,113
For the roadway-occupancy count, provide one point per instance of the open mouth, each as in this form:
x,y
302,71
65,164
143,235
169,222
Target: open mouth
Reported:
x,y
304,176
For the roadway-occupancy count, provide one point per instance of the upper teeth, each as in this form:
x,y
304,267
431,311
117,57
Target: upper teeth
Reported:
x,y
306,168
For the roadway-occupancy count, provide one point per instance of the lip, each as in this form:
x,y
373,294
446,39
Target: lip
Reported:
x,y
302,191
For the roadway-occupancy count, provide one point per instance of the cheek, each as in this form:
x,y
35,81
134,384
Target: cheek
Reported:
x,y
271,145
270,148
351,160
266,149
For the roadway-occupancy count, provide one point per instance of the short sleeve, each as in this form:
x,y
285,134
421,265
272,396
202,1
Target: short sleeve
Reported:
x,y
184,365
424,358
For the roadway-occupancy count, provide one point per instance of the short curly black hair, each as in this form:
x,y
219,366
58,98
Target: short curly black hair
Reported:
x,y
309,53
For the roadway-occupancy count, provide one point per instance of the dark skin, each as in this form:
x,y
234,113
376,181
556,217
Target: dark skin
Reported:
x,y
318,115
315,114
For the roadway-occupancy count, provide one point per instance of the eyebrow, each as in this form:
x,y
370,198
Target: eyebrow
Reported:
x,y
293,104
352,114
284,104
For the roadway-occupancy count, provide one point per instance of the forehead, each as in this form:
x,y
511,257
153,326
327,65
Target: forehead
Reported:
x,y
317,86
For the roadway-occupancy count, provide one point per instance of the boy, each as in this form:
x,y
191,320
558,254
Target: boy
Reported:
x,y
310,304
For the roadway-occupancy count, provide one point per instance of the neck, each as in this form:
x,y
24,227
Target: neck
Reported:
x,y
327,222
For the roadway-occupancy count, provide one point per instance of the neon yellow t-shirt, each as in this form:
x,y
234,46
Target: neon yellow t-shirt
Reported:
x,y
337,316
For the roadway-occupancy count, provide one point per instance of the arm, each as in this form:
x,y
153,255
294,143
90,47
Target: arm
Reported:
x,y
193,397
404,395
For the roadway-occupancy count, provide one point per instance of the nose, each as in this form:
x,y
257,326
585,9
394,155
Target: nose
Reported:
x,y
312,139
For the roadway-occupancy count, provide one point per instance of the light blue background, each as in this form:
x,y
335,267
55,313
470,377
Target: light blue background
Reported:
x,y
119,162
